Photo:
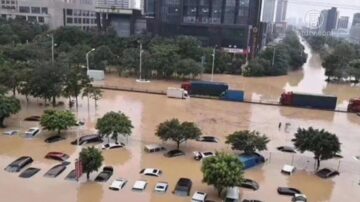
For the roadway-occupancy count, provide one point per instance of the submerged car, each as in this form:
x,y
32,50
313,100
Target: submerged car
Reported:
x,y
327,173
250,184
118,184
251,200
86,139
112,146
58,156
151,148
211,139
139,185
19,164
199,197
183,187
71,176
55,171
288,191
151,172
29,172
161,187
32,132
11,132
174,153
299,198
286,149
202,155
288,169
53,139
105,174
33,118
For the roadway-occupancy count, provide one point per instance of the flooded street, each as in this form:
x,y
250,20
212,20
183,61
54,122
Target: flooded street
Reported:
x,y
217,118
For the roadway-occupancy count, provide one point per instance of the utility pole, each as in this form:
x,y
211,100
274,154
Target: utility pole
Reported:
x,y
273,59
87,58
52,48
213,64
140,63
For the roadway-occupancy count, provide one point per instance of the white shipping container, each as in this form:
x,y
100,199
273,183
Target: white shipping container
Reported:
x,y
177,93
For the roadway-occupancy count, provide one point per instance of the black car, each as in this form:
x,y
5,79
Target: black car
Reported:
x,y
173,153
33,118
247,200
19,164
55,171
183,187
327,173
286,149
55,138
105,174
29,172
88,139
211,139
288,191
250,184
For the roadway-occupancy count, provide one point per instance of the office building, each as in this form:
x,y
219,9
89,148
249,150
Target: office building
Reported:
x,y
343,22
268,11
328,20
281,10
54,13
355,28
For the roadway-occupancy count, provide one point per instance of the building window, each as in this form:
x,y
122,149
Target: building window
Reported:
x,y
204,11
243,12
69,20
32,18
21,17
229,15
24,9
41,19
216,12
69,12
35,9
44,10
171,10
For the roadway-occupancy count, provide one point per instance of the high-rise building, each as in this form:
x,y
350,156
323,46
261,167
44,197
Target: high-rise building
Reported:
x,y
355,28
328,20
54,13
343,22
356,19
129,4
268,11
281,10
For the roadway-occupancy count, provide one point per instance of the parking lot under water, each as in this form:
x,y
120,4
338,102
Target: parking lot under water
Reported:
x,y
216,118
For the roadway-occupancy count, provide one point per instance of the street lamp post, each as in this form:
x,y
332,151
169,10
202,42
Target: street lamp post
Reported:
x,y
52,47
140,63
87,58
213,64
273,59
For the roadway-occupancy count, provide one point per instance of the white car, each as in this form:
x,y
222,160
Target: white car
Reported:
x,y
32,132
139,185
299,198
112,145
151,172
199,197
202,155
288,169
161,187
11,132
118,184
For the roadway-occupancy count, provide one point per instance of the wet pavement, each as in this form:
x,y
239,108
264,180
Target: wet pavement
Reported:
x,y
214,118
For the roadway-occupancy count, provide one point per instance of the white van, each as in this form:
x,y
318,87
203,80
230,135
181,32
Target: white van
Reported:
x,y
232,194
153,148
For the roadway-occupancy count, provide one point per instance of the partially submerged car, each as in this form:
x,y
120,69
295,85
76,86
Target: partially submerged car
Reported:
x,y
105,174
19,164
251,200
287,149
118,184
55,138
115,145
327,173
58,156
288,191
11,132
151,148
232,194
55,171
161,187
210,139
151,172
288,169
71,176
139,185
250,184
183,187
299,198
174,153
29,172
199,197
33,118
251,160
31,132
86,139
202,155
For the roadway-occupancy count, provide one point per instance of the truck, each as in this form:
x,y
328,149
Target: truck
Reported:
x,y
205,88
308,100
354,105
177,93
233,95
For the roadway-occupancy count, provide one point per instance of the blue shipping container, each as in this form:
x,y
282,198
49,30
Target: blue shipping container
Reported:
x,y
234,95
208,88
252,160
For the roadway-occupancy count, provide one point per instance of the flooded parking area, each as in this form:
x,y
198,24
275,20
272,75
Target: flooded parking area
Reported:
x,y
214,118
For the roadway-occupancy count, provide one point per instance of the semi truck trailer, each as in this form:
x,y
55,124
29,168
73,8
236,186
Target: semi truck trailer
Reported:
x,y
308,100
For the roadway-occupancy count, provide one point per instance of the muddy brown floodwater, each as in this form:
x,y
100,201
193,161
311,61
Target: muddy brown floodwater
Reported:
x,y
214,118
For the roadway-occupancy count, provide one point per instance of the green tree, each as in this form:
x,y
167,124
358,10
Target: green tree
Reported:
x,y
187,67
114,123
92,92
57,120
177,132
75,80
247,141
189,47
91,159
8,106
222,171
354,69
323,144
